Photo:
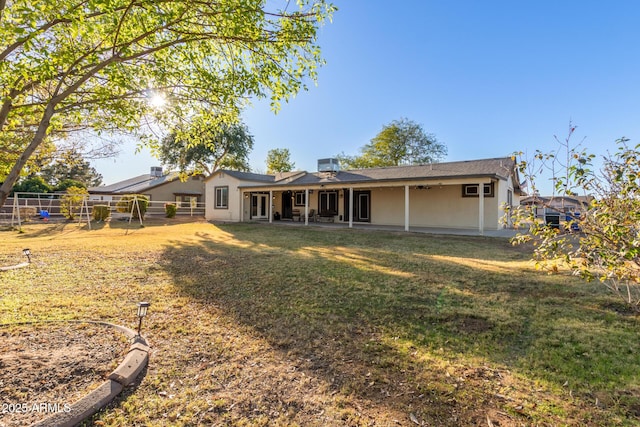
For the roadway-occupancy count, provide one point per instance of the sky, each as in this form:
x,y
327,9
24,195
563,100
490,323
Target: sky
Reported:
x,y
487,78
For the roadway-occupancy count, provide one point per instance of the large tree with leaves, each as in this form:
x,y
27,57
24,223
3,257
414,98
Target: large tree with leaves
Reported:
x,y
70,165
401,142
68,65
279,160
204,147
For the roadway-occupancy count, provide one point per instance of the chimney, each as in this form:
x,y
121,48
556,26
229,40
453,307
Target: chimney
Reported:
x,y
156,171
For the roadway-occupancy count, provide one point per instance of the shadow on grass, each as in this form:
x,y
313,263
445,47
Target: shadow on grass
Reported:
x,y
431,324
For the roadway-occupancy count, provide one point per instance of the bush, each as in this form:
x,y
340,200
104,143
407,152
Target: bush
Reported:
x,y
607,243
125,205
170,209
100,212
26,213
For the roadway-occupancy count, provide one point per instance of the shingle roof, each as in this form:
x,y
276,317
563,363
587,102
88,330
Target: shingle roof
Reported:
x,y
498,167
138,184
122,185
250,176
501,168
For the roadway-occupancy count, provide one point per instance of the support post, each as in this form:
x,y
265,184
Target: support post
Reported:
x,y
481,208
270,206
241,216
306,206
351,207
406,208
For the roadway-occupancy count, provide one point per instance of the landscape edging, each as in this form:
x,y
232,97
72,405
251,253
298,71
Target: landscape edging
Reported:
x,y
14,267
127,371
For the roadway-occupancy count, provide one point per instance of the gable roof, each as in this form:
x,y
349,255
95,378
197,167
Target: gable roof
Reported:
x,y
257,177
498,168
135,185
244,176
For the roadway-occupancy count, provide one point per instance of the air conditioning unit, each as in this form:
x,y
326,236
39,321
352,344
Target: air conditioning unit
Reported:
x,y
328,165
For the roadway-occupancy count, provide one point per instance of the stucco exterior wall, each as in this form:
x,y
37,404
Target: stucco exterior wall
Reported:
x,y
234,205
442,206
438,206
502,191
166,192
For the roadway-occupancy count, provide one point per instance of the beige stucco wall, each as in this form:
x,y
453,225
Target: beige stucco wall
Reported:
x,y
440,206
166,192
502,193
232,213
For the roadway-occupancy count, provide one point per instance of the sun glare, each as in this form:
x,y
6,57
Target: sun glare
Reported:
x,y
157,100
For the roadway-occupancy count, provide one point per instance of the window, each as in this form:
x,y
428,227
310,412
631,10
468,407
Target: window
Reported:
x,y
471,190
328,203
299,198
222,197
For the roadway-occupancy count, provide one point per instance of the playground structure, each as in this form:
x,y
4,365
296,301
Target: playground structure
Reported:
x,y
45,207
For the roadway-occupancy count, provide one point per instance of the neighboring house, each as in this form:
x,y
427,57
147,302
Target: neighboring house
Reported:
x,y
466,195
155,185
556,210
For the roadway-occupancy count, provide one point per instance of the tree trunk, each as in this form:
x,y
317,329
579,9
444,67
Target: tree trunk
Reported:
x,y
38,137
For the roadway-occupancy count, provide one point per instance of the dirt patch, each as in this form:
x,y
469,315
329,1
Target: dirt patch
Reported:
x,y
469,324
44,368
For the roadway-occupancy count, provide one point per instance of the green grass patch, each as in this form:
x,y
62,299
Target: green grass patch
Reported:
x,y
267,325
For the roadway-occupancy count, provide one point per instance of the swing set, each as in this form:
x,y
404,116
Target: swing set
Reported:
x,y
45,211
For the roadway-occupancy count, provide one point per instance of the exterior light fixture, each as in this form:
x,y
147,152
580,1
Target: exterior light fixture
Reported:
x,y
27,253
143,307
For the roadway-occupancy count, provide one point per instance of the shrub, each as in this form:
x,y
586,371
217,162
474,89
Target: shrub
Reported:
x,y
27,213
126,205
170,209
71,202
100,212
606,245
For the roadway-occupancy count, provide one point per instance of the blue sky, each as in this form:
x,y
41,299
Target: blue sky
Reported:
x,y
488,78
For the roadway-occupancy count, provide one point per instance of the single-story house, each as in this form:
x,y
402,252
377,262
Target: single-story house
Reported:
x,y
156,185
465,194
556,210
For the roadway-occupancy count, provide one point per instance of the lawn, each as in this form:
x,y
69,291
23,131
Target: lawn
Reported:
x,y
257,325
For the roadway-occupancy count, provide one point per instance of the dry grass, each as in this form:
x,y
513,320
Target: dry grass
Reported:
x,y
263,325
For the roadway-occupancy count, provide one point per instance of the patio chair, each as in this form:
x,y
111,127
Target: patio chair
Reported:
x,y
312,215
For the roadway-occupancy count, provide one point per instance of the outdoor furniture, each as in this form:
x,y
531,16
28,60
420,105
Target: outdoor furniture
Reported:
x,y
295,216
312,215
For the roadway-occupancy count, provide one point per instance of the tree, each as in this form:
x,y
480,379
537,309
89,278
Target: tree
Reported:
x,y
70,165
606,244
205,147
279,160
70,65
33,184
402,142
67,183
